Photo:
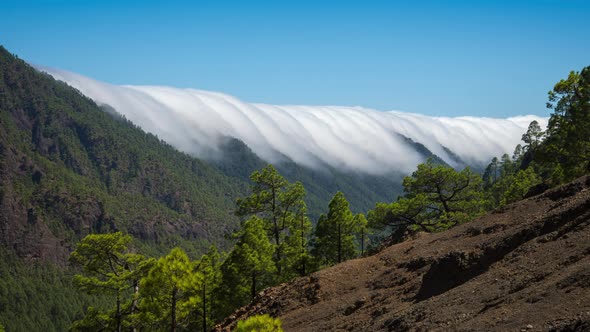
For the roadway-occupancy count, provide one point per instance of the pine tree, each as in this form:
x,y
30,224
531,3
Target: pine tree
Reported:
x,y
297,254
362,226
210,268
335,233
249,267
564,154
519,185
109,267
170,292
437,197
279,204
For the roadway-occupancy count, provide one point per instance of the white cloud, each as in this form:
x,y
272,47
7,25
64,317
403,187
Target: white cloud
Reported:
x,y
355,138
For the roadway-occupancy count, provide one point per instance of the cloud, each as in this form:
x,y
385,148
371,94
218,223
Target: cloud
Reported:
x,y
354,138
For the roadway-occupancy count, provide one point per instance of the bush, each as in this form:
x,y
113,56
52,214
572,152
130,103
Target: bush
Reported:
x,y
260,323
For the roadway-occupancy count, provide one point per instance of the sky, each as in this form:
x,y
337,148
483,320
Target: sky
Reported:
x,y
438,58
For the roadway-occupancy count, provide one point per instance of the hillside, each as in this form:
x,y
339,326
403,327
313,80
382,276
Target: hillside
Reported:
x,y
525,267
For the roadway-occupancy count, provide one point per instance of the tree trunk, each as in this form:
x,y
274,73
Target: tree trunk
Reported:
x,y
173,310
204,307
362,243
339,245
134,303
277,231
253,285
118,314
302,249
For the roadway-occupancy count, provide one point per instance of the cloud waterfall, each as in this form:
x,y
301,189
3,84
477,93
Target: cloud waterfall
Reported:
x,y
354,138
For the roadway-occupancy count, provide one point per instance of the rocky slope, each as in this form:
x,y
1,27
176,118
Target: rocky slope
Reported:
x,y
525,267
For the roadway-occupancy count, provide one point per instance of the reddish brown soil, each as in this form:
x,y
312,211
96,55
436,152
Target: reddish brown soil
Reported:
x,y
525,267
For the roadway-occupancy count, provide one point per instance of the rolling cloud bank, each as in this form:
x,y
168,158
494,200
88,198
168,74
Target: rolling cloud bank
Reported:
x,y
351,138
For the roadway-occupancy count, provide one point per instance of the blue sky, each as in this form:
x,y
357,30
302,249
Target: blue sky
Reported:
x,y
448,58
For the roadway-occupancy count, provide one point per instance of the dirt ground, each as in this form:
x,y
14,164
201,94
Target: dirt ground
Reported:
x,y
525,267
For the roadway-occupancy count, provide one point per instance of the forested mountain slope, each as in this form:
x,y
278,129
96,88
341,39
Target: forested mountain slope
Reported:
x,y
524,267
68,169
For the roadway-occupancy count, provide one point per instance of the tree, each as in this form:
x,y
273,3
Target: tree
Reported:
x,y
403,214
297,255
109,267
279,204
490,174
170,292
517,155
209,267
335,232
519,185
259,323
437,197
533,136
249,267
508,167
362,225
565,152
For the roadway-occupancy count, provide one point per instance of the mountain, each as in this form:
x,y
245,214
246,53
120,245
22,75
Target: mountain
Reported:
x,y
69,167
524,267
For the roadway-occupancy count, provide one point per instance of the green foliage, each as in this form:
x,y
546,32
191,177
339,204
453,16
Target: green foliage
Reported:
x,y
335,233
210,268
362,225
169,293
280,206
38,296
297,255
437,197
551,157
259,323
519,185
108,267
173,293
533,136
497,183
564,154
249,267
